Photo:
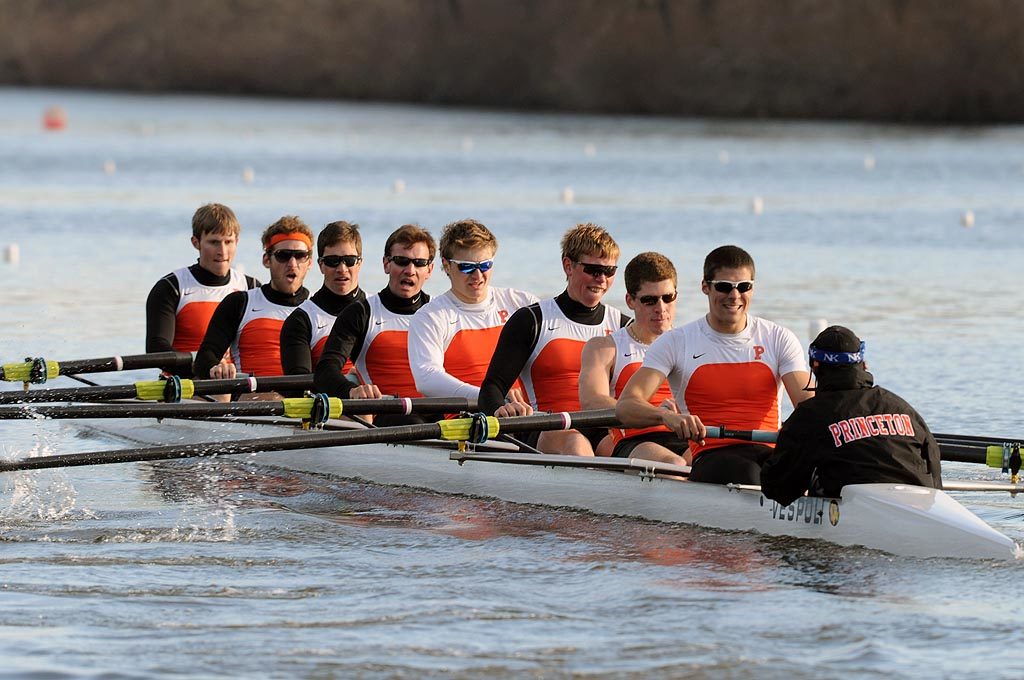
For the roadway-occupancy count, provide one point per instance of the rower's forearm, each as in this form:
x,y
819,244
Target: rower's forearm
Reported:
x,y
637,413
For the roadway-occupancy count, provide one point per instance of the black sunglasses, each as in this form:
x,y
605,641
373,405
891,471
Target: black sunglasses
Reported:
x,y
727,286
651,300
335,261
403,261
283,255
595,270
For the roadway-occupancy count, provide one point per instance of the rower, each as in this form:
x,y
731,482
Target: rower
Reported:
x,y
452,339
249,322
339,248
541,344
373,333
180,305
850,432
610,360
727,367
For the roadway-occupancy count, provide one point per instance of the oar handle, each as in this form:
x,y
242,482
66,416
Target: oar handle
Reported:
x,y
765,436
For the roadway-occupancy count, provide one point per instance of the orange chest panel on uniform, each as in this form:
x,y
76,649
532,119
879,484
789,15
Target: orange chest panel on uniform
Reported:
x,y
317,351
190,324
259,346
555,375
741,396
469,353
387,363
657,399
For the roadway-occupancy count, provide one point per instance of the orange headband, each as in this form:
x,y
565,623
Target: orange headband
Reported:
x,y
291,236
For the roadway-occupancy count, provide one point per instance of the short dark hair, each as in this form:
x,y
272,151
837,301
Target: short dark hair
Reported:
x,y
409,235
339,232
727,257
648,267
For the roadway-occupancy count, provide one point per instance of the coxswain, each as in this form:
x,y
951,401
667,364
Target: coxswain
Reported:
x,y
609,361
452,339
249,322
339,248
373,333
180,305
728,368
541,344
850,432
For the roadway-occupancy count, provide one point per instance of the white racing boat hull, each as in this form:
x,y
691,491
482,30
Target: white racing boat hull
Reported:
x,y
899,519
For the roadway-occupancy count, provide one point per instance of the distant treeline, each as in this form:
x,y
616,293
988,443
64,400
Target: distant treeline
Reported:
x,y
956,61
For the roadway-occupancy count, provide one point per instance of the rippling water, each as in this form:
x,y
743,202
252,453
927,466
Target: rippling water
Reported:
x,y
223,568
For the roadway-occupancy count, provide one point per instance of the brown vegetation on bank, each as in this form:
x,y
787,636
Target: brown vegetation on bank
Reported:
x,y
908,60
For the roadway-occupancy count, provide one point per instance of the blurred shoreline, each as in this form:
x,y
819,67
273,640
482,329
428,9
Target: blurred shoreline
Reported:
x,y
915,61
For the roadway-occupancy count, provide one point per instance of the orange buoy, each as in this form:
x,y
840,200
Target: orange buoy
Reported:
x,y
55,118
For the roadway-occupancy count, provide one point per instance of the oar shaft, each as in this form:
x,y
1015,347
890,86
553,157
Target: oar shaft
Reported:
x,y
202,387
307,440
173,360
241,409
21,372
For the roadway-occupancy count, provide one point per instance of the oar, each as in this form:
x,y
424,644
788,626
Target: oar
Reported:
x,y
992,451
161,390
303,407
476,429
975,440
39,370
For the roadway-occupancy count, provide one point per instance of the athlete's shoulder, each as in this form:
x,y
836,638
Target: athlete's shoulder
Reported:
x,y
513,297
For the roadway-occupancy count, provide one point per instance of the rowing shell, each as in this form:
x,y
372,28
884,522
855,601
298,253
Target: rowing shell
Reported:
x,y
896,518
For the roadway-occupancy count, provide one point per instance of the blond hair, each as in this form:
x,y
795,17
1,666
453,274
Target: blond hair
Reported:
x,y
589,239
466,234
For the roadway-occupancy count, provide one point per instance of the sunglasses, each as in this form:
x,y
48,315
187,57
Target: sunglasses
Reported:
x,y
595,270
651,300
403,261
283,256
727,286
467,267
335,261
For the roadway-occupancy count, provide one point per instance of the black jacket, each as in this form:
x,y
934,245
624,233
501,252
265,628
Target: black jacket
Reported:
x,y
850,432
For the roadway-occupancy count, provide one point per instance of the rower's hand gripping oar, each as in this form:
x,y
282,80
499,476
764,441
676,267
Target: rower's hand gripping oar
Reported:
x,y
476,429
37,370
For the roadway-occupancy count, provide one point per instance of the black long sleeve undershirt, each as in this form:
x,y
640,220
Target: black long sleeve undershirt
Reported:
x,y
517,341
346,339
162,309
296,356
225,322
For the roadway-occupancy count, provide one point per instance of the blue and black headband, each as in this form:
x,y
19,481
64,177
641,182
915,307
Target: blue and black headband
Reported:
x,y
833,358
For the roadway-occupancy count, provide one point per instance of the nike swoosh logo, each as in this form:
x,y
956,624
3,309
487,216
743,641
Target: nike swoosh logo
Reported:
x,y
553,327
321,326
379,323
628,355
453,322
256,310
188,292
698,356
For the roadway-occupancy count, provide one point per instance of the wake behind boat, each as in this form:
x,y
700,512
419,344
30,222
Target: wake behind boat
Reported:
x,y
899,519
